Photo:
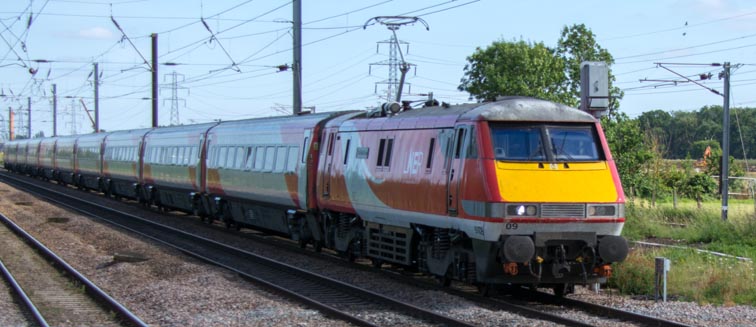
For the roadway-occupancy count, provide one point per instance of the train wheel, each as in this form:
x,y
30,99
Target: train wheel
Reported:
x,y
318,245
377,263
560,290
484,289
443,281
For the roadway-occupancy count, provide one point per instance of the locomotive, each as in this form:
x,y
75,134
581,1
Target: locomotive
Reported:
x,y
519,191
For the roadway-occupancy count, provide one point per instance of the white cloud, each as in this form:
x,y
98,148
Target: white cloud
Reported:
x,y
96,33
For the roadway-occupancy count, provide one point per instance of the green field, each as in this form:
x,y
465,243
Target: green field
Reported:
x,y
694,276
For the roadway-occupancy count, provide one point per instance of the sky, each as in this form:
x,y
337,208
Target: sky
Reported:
x,y
222,59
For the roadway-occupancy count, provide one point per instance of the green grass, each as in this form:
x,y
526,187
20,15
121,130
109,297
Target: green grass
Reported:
x,y
695,276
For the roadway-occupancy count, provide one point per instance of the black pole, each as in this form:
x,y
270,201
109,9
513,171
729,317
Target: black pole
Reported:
x,y
154,80
55,109
725,141
96,98
297,64
28,100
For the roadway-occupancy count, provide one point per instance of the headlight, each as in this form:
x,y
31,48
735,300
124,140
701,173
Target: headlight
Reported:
x,y
602,210
522,210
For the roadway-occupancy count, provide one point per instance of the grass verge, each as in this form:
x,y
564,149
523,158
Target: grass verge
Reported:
x,y
695,276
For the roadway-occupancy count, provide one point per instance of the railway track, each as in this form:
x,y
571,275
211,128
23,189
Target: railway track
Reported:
x,y
335,298
521,302
36,277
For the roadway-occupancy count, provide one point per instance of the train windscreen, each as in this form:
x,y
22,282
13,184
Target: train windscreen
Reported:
x,y
542,142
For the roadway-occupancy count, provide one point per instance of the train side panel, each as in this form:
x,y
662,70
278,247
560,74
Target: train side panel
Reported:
x,y
31,163
260,167
47,157
171,166
121,163
64,159
88,161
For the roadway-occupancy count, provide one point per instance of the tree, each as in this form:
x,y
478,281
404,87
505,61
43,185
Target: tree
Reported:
x,y
698,148
698,186
514,68
576,45
630,153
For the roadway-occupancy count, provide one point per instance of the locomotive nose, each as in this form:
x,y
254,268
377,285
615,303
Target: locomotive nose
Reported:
x,y
612,248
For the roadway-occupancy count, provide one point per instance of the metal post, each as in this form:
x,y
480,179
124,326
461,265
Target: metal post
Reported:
x,y
297,64
29,133
662,266
96,99
725,141
11,125
154,80
55,109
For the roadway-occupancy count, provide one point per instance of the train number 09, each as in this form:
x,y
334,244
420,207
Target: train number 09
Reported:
x,y
511,226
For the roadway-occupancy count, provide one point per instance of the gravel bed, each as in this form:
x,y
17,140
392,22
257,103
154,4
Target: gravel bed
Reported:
x,y
208,289
168,289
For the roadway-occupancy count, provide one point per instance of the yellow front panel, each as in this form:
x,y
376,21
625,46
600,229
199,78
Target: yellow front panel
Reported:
x,y
578,182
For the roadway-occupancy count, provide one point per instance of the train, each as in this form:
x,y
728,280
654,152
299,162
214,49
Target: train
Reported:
x,y
517,191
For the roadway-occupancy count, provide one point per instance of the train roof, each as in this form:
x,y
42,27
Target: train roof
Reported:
x,y
504,109
527,109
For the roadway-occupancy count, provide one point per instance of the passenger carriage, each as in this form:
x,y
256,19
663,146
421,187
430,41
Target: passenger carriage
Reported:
x,y
260,169
10,157
122,163
88,161
63,159
46,167
172,169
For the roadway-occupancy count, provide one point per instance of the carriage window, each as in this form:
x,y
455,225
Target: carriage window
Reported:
x,y
304,146
212,158
291,162
430,153
259,157
330,144
270,158
222,157
240,155
381,147
460,142
384,152
346,151
250,158
389,147
179,156
280,159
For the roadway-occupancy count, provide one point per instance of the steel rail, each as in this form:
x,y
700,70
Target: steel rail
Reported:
x,y
90,288
28,305
127,218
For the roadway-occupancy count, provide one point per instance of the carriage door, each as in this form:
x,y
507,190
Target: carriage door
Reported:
x,y
456,160
328,163
304,174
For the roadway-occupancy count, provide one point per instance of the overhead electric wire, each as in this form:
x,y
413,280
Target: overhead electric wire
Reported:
x,y
686,55
679,28
227,29
686,48
347,13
